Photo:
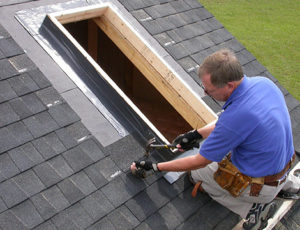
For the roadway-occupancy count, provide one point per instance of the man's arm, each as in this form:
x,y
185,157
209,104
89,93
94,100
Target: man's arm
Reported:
x,y
184,164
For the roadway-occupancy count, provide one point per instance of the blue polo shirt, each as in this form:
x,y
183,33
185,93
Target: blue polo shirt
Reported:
x,y
255,127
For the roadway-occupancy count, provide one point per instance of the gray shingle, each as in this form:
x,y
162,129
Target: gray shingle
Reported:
x,y
186,205
49,145
20,133
180,5
2,206
235,46
11,193
212,104
6,69
7,114
123,219
70,191
96,205
3,32
63,221
63,114
176,20
61,166
91,148
164,39
73,134
47,174
39,78
9,47
95,175
178,51
165,218
159,11
22,63
9,221
250,70
29,182
104,223
153,27
49,96
25,156
1,55
141,15
77,158
82,181
188,64
291,102
126,149
193,3
139,209
106,167
23,84
213,23
79,216
259,66
7,166
6,92
55,198
40,124
27,213
46,226
45,209
117,192
27,105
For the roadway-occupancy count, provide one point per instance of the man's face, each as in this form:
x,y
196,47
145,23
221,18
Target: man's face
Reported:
x,y
218,93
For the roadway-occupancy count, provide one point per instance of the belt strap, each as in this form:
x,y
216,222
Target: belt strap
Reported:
x,y
273,180
196,188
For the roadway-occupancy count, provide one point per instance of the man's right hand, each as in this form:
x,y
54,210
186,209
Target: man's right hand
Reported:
x,y
188,140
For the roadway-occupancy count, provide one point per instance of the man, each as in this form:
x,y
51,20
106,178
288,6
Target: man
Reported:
x,y
254,127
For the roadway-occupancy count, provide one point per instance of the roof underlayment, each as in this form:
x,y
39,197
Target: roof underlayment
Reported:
x,y
65,156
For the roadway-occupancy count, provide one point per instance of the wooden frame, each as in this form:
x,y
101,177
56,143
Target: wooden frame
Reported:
x,y
188,104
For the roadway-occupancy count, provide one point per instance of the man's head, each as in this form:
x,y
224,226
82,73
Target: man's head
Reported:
x,y
221,73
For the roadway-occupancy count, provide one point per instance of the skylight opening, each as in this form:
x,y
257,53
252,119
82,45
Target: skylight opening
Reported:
x,y
135,71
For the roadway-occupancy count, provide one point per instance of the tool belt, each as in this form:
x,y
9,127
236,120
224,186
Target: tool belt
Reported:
x,y
235,182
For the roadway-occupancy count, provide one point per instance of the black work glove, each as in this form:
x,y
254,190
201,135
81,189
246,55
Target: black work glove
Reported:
x,y
147,165
188,140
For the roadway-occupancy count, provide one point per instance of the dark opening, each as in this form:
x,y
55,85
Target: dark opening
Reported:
x,y
133,83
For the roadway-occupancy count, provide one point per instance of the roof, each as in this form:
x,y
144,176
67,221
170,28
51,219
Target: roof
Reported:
x,y
65,168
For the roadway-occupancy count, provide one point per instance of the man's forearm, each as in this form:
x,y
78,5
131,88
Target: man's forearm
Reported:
x,y
184,164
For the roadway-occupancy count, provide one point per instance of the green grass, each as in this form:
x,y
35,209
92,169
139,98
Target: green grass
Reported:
x,y
270,30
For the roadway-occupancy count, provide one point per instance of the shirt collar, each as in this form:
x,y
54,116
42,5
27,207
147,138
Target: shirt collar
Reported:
x,y
237,92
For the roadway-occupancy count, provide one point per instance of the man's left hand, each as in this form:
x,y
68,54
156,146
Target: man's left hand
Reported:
x,y
147,165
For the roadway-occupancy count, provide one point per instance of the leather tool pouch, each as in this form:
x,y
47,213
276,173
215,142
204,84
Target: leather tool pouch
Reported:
x,y
230,178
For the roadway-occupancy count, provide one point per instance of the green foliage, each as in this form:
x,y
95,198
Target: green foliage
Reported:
x,y
270,30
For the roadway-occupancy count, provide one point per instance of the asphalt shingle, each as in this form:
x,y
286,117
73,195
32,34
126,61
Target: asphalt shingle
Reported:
x,y
71,135
23,84
9,47
49,145
47,174
11,193
25,156
7,115
9,221
6,69
6,92
29,182
159,11
70,191
61,166
8,167
96,205
123,219
22,63
49,96
27,213
79,216
39,78
41,124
